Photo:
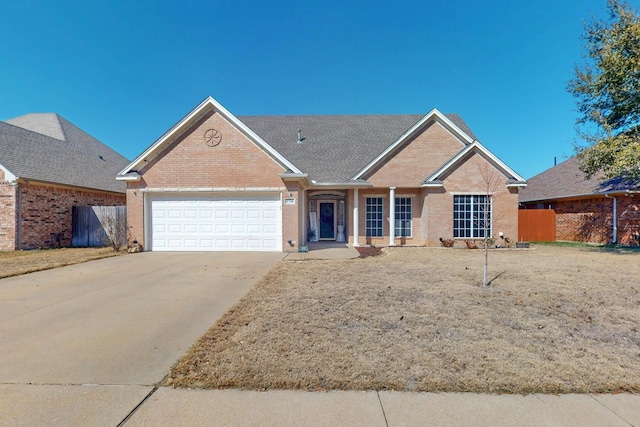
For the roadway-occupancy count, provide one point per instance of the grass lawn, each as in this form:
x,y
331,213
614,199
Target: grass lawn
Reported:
x,y
13,263
553,320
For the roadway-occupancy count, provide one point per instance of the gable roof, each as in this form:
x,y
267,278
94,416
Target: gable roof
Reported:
x,y
47,148
335,148
567,181
513,179
129,172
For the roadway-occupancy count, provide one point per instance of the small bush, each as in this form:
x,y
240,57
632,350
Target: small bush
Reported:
x,y
447,243
471,244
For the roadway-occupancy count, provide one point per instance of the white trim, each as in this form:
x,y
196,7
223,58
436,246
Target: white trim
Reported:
x,y
435,116
128,178
213,190
185,123
392,216
356,219
480,149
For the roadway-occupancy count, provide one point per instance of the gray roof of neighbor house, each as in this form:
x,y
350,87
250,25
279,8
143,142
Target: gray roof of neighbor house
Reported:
x,y
567,181
335,148
46,147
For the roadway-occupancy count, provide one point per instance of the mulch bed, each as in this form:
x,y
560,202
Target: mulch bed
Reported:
x,y
367,251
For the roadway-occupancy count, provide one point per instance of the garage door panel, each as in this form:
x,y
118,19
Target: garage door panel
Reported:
x,y
222,223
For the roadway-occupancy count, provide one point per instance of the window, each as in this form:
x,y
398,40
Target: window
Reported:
x,y
472,216
403,216
374,217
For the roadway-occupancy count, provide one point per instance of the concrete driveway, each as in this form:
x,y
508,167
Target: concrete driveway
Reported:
x,y
92,339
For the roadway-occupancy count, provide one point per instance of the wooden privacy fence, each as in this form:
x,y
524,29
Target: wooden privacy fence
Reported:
x,y
93,224
536,225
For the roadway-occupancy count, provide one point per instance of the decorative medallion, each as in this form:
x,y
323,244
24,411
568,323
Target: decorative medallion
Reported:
x,y
212,137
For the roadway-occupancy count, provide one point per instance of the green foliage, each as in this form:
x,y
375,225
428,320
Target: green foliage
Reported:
x,y
607,92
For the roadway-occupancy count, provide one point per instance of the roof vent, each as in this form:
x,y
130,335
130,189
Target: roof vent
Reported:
x,y
300,138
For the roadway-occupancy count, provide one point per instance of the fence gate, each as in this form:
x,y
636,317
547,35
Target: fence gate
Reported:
x,y
536,225
92,223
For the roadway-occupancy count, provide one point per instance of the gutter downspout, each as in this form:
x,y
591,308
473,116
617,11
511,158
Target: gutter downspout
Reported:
x,y
615,217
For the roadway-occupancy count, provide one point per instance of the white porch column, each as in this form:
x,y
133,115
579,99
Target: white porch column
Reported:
x,y
392,216
356,222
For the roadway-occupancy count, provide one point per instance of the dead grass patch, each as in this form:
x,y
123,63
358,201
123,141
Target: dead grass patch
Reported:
x,y
13,263
554,320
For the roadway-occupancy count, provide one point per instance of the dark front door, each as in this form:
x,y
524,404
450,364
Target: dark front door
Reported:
x,y
327,220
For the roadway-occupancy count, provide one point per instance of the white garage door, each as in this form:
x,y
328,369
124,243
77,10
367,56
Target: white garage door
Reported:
x,y
216,223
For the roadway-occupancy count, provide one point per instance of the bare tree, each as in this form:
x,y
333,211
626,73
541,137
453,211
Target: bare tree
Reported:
x,y
115,227
492,181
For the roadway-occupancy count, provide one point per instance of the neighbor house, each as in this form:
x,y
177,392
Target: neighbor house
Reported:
x,y
215,181
596,210
48,166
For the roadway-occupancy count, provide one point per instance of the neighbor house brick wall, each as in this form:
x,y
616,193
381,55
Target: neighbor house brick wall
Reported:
x,y
420,158
591,219
585,220
628,220
236,163
46,211
7,215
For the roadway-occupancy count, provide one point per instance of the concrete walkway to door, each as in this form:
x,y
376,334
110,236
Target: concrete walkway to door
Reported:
x,y
84,344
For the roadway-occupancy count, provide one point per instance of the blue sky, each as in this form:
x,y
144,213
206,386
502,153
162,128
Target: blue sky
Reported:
x,y
126,71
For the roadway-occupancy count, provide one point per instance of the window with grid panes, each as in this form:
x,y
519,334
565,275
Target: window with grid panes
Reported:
x,y
374,216
471,216
403,216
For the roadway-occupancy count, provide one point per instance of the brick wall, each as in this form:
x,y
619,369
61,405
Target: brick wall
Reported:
x,y
7,215
418,160
473,177
235,163
591,220
291,218
629,220
433,207
46,212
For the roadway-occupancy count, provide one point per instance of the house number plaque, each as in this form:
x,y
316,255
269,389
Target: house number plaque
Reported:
x,y
212,137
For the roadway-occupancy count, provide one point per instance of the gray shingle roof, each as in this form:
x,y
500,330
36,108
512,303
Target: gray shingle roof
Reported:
x,y
566,180
46,147
335,147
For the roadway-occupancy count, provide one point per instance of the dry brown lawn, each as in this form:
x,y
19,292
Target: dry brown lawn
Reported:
x,y
553,320
13,263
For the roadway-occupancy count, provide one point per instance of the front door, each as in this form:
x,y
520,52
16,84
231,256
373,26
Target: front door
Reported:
x,y
327,220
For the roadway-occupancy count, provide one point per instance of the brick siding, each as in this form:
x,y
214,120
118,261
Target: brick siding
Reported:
x,y
591,220
46,212
432,208
235,163
7,216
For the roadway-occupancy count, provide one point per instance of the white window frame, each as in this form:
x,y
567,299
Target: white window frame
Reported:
x,y
400,222
379,227
471,226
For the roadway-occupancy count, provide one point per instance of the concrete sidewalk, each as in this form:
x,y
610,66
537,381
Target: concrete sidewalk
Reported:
x,y
97,405
294,408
